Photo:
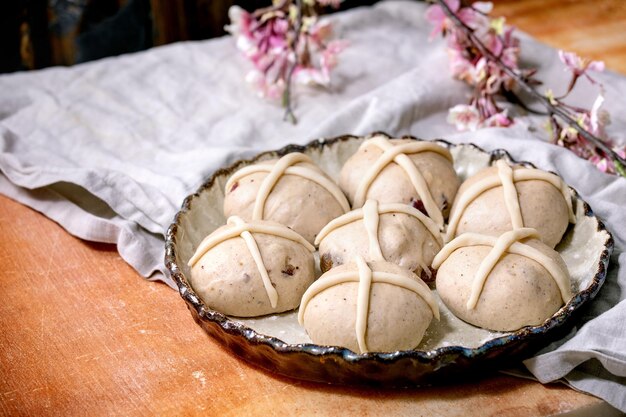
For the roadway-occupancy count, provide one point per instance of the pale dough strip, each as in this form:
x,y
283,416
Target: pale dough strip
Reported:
x,y
245,230
371,219
357,214
242,229
517,248
418,287
486,266
363,302
268,229
398,154
284,167
258,260
505,172
523,174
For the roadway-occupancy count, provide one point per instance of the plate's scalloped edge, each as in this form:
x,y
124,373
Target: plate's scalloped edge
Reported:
x,y
249,344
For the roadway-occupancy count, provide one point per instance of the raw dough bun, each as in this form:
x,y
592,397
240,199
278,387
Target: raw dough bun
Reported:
x,y
393,185
397,317
518,292
295,202
542,205
228,279
404,240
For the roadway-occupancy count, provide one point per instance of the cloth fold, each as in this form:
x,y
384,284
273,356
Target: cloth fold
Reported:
x,y
109,149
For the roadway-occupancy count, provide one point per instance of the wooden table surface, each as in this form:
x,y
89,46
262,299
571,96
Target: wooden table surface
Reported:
x,y
82,334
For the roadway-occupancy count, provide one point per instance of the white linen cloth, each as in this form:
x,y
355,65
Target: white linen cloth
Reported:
x,y
109,149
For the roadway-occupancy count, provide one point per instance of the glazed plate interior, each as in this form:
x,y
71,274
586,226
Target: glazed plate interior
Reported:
x,y
450,346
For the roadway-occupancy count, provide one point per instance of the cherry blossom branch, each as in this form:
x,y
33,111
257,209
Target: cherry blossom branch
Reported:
x,y
515,99
620,162
287,46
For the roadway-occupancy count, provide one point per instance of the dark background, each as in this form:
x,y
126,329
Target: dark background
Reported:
x,y
41,33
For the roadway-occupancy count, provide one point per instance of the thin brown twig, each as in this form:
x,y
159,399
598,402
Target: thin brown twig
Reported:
x,y
289,115
469,32
515,99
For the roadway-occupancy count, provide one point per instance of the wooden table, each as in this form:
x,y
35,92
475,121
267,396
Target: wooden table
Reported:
x,y
82,334
592,28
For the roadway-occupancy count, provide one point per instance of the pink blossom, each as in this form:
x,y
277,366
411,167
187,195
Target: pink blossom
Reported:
x,y
270,36
317,67
437,17
494,82
568,135
592,121
471,66
497,80
500,41
463,69
310,76
601,163
579,65
490,39
486,107
320,31
510,57
313,75
605,164
484,7
459,65
259,40
490,114
240,22
270,89
598,118
464,117
498,120
442,24
471,18
328,60
265,42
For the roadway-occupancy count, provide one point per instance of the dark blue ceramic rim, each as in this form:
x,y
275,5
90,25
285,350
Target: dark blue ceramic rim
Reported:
x,y
339,365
